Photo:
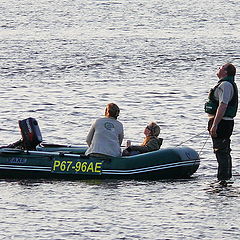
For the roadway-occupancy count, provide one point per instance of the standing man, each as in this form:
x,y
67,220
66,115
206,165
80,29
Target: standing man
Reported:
x,y
222,107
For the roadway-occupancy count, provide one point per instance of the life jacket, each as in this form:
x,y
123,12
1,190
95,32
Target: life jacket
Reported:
x,y
212,104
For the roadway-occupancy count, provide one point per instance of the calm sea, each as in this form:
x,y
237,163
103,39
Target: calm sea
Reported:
x,y
62,61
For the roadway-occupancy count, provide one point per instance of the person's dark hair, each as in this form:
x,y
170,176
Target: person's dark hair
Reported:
x,y
231,70
112,110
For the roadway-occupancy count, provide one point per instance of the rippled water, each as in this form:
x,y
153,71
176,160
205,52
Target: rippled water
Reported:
x,y
63,61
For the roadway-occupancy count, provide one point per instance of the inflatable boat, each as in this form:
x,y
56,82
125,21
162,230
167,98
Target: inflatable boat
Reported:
x,y
36,160
70,163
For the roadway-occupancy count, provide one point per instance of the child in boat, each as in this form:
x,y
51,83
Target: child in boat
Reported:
x,y
151,141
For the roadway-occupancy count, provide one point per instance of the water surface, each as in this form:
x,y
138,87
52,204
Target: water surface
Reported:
x,y
62,61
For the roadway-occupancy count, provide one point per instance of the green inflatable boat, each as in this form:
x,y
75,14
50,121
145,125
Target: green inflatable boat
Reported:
x,y
66,162
29,158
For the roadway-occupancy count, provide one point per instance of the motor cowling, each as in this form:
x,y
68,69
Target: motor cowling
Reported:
x,y
31,134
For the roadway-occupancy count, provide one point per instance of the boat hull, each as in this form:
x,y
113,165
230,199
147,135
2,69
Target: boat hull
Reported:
x,y
73,164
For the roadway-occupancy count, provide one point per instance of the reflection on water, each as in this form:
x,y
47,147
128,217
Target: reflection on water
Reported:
x,y
192,208
62,62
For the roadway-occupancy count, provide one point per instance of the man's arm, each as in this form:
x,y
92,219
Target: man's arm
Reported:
x,y
218,117
90,135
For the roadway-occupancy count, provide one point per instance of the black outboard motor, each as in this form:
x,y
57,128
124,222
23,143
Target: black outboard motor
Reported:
x,y
31,134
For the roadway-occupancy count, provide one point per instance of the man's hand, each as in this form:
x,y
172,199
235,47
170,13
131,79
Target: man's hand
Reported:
x,y
219,115
213,131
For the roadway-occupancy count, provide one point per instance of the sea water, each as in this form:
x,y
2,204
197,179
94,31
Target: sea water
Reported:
x,y
63,61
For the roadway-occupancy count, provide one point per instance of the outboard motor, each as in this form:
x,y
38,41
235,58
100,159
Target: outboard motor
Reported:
x,y
31,134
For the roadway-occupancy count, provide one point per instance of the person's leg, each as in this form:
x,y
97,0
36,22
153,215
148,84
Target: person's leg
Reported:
x,y
222,150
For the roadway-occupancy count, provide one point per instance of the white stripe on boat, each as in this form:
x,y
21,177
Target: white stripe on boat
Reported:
x,y
149,169
111,171
25,168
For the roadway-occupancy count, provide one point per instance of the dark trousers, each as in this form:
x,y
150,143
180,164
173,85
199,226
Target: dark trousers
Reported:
x,y
221,147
